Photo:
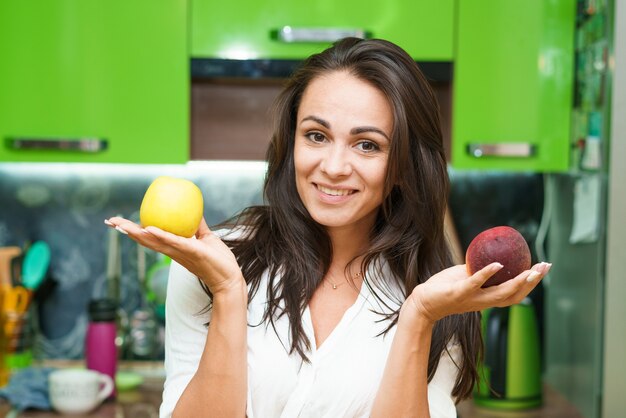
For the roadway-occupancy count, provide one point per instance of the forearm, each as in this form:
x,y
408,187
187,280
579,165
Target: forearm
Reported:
x,y
219,387
404,388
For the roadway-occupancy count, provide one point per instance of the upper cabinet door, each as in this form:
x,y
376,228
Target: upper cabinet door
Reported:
x,y
513,84
294,29
94,81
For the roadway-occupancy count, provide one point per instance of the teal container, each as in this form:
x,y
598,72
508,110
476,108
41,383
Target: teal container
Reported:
x,y
511,372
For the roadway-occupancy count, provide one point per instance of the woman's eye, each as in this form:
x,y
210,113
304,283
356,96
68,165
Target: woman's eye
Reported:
x,y
315,137
367,146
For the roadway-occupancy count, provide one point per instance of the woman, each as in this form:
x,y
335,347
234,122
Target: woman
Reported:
x,y
336,299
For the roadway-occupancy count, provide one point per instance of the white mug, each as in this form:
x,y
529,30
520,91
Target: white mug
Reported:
x,y
76,391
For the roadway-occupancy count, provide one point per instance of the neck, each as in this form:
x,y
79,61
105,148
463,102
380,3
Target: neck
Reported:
x,y
347,244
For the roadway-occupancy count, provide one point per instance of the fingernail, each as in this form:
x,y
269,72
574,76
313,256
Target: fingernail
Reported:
x,y
496,266
534,275
545,268
121,230
107,222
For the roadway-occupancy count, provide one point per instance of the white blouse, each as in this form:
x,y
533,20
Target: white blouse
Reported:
x,y
341,379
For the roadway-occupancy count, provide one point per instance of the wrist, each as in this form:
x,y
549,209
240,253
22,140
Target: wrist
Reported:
x,y
413,331
413,317
230,290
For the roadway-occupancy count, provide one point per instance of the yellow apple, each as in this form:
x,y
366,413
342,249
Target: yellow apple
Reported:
x,y
172,204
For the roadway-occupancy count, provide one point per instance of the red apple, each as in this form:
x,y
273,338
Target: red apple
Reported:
x,y
501,244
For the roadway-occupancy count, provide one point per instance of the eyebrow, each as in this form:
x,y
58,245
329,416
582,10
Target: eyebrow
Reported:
x,y
361,129
353,131
321,121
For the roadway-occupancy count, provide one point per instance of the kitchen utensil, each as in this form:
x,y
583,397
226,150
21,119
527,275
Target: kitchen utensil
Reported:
x,y
100,345
114,265
6,255
15,299
143,334
78,391
512,363
16,269
113,277
35,265
143,325
15,303
18,333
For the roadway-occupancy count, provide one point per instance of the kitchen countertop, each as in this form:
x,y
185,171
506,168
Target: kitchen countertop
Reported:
x,y
554,406
141,402
144,401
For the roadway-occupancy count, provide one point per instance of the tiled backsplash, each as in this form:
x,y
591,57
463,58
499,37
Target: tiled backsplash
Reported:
x,y
65,205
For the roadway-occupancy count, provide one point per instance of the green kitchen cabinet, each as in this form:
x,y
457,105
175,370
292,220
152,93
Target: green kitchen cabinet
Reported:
x,y
281,29
512,92
94,81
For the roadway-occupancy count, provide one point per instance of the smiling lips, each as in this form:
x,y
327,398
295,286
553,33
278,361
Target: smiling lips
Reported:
x,y
334,194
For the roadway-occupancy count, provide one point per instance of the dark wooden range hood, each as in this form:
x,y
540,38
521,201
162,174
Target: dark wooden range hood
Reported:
x,y
277,68
231,103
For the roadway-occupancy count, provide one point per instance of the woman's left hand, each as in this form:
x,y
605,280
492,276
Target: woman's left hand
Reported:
x,y
452,291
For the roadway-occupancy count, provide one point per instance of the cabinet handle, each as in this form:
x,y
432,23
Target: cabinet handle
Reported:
x,y
513,149
89,145
290,34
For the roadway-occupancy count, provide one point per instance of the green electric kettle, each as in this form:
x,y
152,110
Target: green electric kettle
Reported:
x,y
510,376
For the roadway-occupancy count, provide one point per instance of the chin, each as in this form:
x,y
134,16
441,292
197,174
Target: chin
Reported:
x,y
329,221
337,222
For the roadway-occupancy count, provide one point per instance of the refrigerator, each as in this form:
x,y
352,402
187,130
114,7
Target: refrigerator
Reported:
x,y
583,226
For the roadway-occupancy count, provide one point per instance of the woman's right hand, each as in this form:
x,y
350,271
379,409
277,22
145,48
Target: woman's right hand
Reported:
x,y
204,255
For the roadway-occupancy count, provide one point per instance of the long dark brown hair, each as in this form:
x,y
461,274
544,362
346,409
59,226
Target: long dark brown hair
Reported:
x,y
409,231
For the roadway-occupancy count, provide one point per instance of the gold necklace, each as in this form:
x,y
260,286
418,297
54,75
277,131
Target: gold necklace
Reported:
x,y
335,285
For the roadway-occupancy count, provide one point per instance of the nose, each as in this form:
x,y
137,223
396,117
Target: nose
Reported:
x,y
336,161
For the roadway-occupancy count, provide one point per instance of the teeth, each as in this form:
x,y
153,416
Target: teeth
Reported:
x,y
334,192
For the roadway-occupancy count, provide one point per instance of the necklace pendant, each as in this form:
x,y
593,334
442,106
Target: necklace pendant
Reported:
x,y
334,286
